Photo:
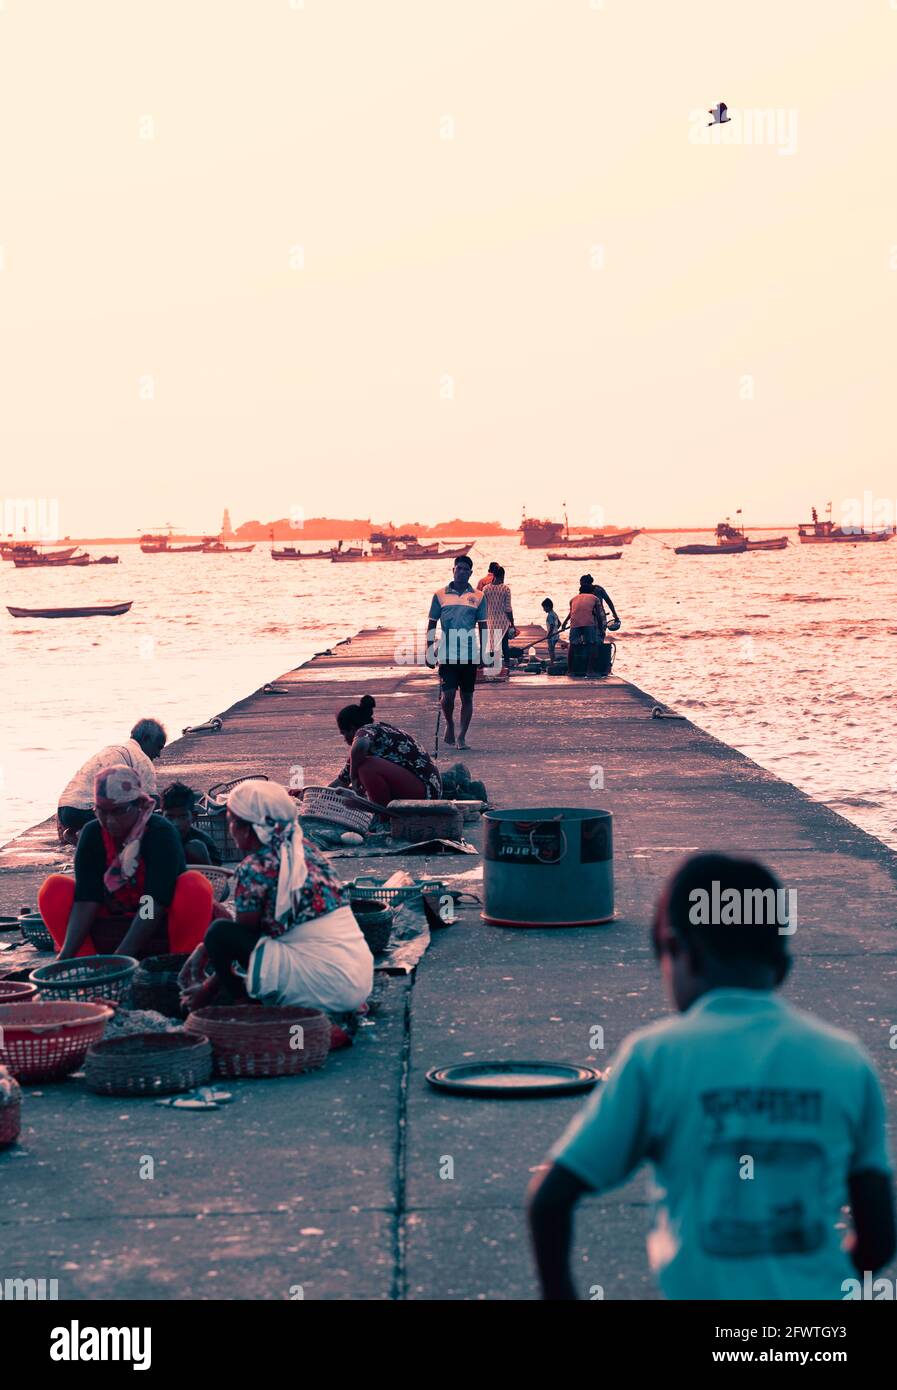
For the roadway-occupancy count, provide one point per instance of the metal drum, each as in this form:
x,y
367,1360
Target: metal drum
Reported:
x,y
548,867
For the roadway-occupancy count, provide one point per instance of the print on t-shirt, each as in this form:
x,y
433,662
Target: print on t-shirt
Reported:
x,y
776,1206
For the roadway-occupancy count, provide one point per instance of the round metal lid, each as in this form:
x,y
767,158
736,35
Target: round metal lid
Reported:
x,y
513,1080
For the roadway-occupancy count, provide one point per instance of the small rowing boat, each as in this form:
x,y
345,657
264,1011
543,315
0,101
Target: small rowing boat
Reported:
x,y
774,543
99,610
614,555
721,548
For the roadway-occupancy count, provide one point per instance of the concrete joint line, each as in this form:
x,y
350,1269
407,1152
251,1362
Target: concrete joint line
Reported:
x,y
399,1289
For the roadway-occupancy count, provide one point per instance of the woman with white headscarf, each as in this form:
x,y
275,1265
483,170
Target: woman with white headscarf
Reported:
x,y
294,940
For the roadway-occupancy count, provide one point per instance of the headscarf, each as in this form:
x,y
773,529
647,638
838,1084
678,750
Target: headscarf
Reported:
x,y
272,813
120,786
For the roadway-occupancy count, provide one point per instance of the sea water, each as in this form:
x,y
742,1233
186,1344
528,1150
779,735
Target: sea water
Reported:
x,y
787,656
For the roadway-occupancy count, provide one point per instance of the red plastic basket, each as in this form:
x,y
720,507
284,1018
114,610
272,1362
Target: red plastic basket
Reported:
x,y
44,1042
254,1041
16,991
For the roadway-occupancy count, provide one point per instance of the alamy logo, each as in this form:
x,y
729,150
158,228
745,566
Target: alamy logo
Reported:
x,y
37,1289
747,907
77,1343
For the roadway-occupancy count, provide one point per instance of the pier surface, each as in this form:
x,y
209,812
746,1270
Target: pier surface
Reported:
x,y
332,1185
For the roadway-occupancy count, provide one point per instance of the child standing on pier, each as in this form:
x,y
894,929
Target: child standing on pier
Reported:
x,y
761,1122
553,626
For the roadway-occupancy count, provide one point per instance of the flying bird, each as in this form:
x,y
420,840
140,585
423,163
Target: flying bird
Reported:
x,y
719,114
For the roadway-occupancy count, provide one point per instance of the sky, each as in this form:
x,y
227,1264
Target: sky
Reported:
x,y
416,259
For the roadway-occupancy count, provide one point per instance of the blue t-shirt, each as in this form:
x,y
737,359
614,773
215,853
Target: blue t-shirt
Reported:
x,y
458,611
753,1115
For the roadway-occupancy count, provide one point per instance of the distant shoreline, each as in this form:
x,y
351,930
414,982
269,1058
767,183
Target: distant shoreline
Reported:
x,y
299,536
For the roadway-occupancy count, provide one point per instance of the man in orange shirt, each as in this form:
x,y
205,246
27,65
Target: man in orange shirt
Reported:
x,y
587,623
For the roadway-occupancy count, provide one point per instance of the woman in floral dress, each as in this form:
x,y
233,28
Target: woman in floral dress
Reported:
x,y
384,763
295,940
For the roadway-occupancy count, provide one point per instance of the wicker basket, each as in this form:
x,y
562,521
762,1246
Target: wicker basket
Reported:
x,y
148,1064
220,879
375,920
85,978
155,985
44,1042
370,888
16,991
424,820
254,1041
329,803
34,930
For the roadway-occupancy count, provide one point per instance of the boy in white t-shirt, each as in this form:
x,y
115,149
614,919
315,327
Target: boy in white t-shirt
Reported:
x,y
761,1122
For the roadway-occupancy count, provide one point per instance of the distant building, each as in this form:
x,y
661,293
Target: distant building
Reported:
x,y
226,528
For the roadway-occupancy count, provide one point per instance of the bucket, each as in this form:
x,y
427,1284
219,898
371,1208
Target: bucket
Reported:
x,y
597,659
548,867
604,658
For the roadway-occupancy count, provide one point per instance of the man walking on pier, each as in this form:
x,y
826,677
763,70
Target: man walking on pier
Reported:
x,y
461,611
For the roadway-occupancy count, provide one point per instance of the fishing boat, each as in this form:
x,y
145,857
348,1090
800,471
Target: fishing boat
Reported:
x,y
732,540
214,545
726,532
160,544
155,545
38,561
390,537
539,535
553,555
106,560
390,551
818,532
721,547
99,610
10,550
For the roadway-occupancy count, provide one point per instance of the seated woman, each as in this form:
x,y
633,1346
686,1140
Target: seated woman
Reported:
x,y
131,893
384,763
294,941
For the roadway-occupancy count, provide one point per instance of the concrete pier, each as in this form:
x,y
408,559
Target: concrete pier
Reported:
x,y
332,1183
